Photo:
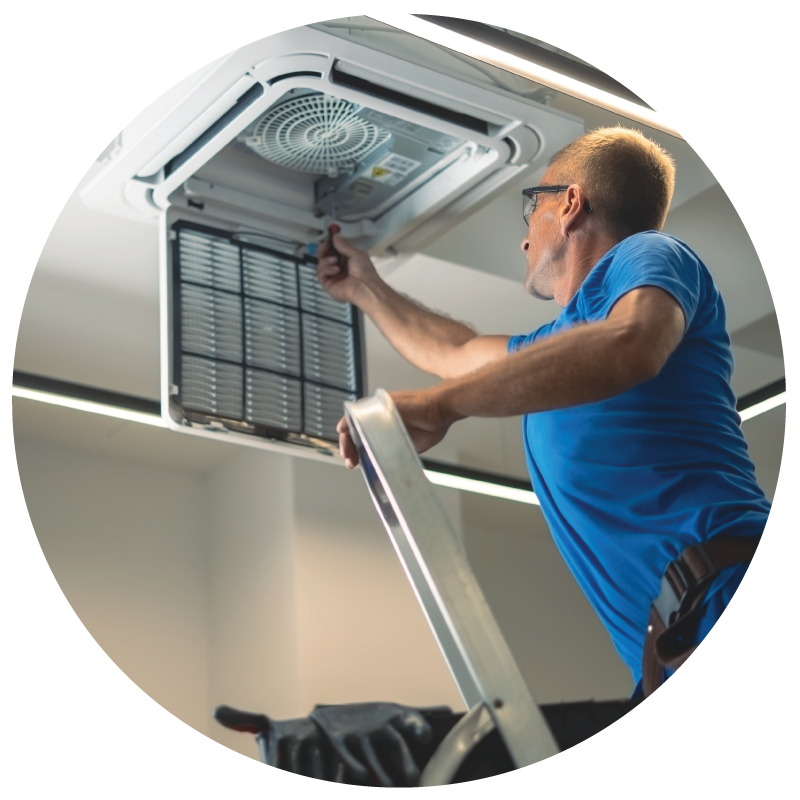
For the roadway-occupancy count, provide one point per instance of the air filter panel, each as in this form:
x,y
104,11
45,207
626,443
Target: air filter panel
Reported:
x,y
273,400
328,352
259,347
314,300
272,336
323,409
269,277
212,387
211,323
209,261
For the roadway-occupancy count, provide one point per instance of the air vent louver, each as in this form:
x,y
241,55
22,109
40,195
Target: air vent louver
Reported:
x,y
316,133
258,340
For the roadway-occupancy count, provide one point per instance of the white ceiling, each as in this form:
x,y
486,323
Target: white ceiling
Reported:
x,y
91,314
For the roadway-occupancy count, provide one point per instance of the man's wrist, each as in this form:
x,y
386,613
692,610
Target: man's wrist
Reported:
x,y
443,399
370,294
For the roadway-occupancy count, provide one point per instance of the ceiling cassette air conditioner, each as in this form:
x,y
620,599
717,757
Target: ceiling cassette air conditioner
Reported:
x,y
247,162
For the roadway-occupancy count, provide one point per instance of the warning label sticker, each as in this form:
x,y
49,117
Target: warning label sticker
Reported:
x,y
391,169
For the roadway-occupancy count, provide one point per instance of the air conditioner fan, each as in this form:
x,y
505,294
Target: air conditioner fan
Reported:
x,y
316,133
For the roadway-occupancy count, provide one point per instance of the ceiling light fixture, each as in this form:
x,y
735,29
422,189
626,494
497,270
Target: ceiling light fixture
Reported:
x,y
451,476
764,399
464,484
80,397
88,405
490,54
764,405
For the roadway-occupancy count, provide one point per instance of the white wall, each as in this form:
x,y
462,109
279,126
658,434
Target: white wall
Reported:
x,y
251,594
126,542
558,641
362,633
87,333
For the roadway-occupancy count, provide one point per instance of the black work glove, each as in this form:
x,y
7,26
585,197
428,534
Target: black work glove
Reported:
x,y
294,745
372,740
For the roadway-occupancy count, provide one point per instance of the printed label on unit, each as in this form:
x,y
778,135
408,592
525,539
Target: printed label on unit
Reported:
x,y
391,169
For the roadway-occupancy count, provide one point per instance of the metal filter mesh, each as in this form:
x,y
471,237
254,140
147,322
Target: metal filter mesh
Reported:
x,y
256,338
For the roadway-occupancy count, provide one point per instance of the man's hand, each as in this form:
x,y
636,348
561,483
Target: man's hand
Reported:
x,y
344,284
423,414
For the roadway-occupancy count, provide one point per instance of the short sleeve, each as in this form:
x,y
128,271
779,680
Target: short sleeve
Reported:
x,y
523,340
654,259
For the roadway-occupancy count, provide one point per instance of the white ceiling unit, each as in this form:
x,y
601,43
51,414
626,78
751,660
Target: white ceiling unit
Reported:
x,y
246,163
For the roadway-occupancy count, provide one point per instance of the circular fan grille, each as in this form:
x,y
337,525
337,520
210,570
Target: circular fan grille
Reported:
x,y
316,133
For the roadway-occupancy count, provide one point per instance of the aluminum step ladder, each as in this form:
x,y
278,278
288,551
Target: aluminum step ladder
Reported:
x,y
435,562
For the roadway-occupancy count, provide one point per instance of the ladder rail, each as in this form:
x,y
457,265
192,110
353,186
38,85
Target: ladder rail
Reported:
x,y
473,646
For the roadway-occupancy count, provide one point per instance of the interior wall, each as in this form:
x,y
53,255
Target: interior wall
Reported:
x,y
558,641
89,334
126,543
363,636
252,611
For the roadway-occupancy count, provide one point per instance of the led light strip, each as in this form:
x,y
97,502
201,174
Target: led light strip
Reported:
x,y
764,405
481,487
88,405
527,69
440,478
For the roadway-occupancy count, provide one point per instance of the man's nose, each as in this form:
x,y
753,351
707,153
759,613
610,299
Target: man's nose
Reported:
x,y
524,244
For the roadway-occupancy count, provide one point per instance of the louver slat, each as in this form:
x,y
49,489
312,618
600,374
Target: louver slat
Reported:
x,y
272,337
209,260
269,278
314,299
328,353
323,409
212,387
273,400
211,323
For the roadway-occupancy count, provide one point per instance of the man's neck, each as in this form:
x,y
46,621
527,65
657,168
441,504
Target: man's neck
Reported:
x,y
583,252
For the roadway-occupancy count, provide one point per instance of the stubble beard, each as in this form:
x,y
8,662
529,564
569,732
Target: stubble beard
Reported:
x,y
541,277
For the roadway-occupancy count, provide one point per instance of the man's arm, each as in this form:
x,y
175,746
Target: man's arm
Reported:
x,y
584,365
435,344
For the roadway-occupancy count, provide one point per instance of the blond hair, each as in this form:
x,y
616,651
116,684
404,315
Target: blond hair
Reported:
x,y
628,178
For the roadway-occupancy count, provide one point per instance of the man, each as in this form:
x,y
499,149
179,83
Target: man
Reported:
x,y
630,428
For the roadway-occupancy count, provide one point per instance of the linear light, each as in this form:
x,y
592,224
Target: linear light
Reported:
x,y
764,405
481,487
527,69
87,405
452,476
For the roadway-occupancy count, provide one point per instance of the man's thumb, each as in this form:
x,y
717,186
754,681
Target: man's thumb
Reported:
x,y
343,246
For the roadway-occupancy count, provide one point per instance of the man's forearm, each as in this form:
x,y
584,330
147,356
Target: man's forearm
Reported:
x,y
429,341
583,365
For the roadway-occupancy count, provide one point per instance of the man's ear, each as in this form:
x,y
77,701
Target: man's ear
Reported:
x,y
572,212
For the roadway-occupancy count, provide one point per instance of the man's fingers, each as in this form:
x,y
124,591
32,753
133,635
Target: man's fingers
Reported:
x,y
343,246
347,448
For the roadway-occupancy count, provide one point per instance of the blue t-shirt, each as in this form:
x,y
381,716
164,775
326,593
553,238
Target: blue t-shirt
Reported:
x,y
626,484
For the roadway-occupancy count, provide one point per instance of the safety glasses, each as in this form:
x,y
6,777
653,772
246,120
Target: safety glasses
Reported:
x,y
529,197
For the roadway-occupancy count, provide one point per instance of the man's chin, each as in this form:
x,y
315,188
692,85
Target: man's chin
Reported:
x,y
539,295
